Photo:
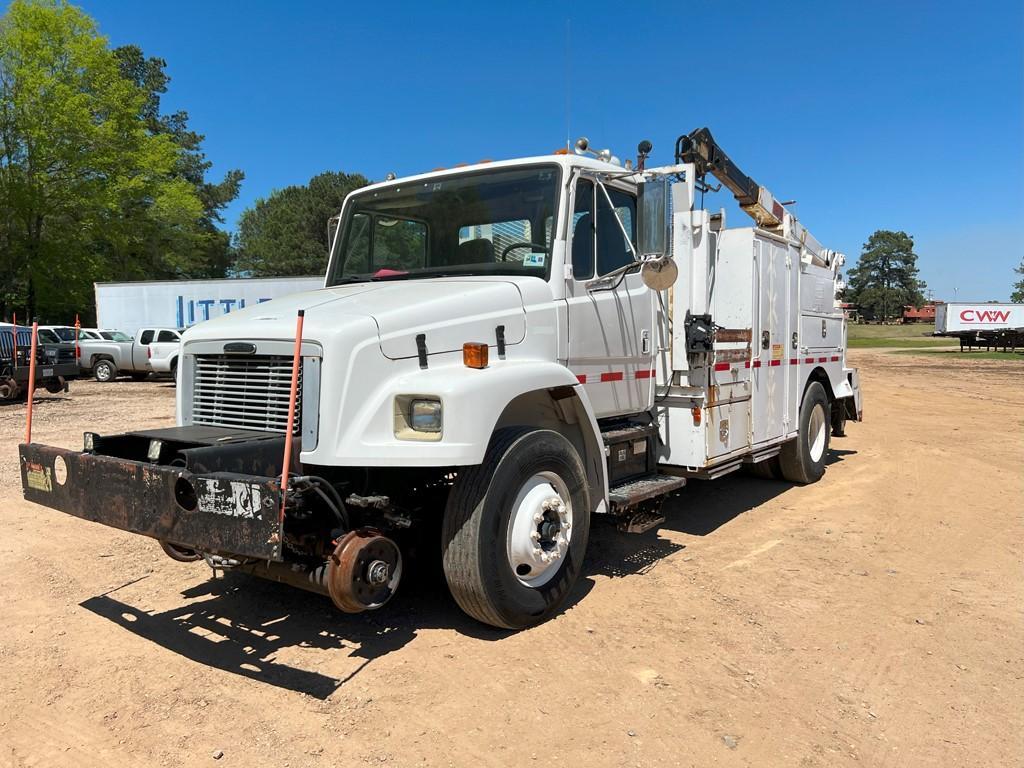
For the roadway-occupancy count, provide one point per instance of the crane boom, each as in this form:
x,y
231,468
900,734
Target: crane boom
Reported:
x,y
700,148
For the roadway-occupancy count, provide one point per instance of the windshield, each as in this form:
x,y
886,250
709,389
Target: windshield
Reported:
x,y
487,222
115,336
64,334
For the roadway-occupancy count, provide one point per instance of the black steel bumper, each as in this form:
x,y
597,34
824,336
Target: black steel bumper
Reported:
x,y
220,512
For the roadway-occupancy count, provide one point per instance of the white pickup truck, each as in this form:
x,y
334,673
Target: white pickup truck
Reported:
x,y
150,350
516,348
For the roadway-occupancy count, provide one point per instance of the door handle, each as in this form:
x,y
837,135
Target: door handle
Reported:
x,y
645,342
765,339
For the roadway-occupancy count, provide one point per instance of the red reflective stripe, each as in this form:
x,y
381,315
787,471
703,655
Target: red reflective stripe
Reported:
x,y
809,360
757,363
582,378
644,374
613,376
775,362
835,359
793,361
822,359
746,364
721,366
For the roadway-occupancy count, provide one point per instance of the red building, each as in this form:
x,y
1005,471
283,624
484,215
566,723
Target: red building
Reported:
x,y
925,314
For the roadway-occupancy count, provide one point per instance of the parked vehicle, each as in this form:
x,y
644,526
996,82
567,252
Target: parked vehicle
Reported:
x,y
515,347
109,358
55,363
163,352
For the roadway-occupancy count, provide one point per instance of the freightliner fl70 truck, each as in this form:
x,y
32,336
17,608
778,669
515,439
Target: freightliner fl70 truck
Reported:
x,y
517,347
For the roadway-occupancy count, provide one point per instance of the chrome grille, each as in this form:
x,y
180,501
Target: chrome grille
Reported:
x,y
244,392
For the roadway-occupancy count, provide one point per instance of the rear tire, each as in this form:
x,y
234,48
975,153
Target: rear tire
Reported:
x,y
104,371
504,566
174,372
839,418
768,469
802,460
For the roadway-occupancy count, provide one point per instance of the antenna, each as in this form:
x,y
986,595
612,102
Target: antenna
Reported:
x,y
568,85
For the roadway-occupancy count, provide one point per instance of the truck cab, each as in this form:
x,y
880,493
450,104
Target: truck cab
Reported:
x,y
515,347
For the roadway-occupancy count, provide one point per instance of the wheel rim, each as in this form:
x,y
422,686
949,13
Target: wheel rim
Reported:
x,y
816,433
102,371
540,529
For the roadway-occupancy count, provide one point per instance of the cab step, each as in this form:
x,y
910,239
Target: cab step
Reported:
x,y
632,492
637,502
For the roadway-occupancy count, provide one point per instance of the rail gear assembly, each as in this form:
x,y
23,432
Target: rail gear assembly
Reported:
x,y
513,347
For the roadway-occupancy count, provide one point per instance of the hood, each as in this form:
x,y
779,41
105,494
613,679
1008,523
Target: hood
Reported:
x,y
449,312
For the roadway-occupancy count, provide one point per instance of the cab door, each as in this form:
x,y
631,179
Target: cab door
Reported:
x,y
611,323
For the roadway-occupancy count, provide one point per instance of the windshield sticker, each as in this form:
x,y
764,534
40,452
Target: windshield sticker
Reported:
x,y
534,260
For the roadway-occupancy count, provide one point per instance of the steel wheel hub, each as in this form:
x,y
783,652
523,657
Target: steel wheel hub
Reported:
x,y
816,426
540,529
364,571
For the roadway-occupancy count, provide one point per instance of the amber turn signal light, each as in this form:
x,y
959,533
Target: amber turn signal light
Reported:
x,y
474,354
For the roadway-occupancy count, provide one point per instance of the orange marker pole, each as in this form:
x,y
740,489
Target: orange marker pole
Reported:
x,y
31,383
296,362
78,350
14,332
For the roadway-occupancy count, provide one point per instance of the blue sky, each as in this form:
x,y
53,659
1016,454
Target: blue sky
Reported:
x,y
872,115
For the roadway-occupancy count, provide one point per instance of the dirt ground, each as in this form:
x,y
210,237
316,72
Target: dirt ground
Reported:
x,y
872,619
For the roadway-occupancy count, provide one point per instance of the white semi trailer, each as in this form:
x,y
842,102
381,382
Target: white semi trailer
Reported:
x,y
516,347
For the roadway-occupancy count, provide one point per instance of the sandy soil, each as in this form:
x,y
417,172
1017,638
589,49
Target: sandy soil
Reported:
x,y
872,619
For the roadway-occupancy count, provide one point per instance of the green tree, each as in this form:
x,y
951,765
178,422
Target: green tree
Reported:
x,y
286,233
88,190
213,256
885,279
1018,288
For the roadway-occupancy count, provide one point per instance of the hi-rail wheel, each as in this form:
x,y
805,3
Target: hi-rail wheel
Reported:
x,y
364,571
179,553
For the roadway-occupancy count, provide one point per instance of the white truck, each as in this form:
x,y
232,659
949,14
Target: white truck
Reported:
x,y
516,347
153,350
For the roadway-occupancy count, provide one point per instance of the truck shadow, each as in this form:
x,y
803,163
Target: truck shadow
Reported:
x,y
241,624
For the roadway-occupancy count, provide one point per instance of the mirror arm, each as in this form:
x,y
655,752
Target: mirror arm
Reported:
x,y
622,227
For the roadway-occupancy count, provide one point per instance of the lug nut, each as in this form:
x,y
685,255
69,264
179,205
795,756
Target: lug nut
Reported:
x,y
566,526
537,517
535,536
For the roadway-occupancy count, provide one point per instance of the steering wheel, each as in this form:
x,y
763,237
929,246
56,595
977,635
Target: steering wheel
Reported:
x,y
536,246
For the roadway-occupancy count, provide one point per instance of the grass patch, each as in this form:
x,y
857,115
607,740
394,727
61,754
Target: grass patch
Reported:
x,y
901,342
956,354
910,335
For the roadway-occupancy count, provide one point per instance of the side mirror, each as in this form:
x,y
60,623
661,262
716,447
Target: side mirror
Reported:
x,y
332,229
658,272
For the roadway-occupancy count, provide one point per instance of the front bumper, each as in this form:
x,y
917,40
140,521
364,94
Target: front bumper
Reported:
x,y
216,512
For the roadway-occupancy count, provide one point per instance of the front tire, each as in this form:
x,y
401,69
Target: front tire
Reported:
x,y
803,460
516,527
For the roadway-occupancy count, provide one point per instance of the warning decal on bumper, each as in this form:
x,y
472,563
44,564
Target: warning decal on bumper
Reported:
x,y
38,477
236,499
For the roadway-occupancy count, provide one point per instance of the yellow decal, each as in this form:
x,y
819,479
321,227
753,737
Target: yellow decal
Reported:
x,y
38,478
776,351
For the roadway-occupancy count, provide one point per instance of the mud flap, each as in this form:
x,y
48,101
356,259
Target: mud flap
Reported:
x,y
218,512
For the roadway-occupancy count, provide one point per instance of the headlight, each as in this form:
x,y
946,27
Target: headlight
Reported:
x,y
425,415
418,418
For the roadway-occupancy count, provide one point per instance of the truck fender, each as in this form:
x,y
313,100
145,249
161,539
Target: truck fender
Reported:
x,y
475,402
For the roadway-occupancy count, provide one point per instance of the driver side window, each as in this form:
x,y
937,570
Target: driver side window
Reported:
x,y
612,249
603,235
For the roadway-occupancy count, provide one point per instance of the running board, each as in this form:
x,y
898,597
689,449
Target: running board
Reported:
x,y
629,494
